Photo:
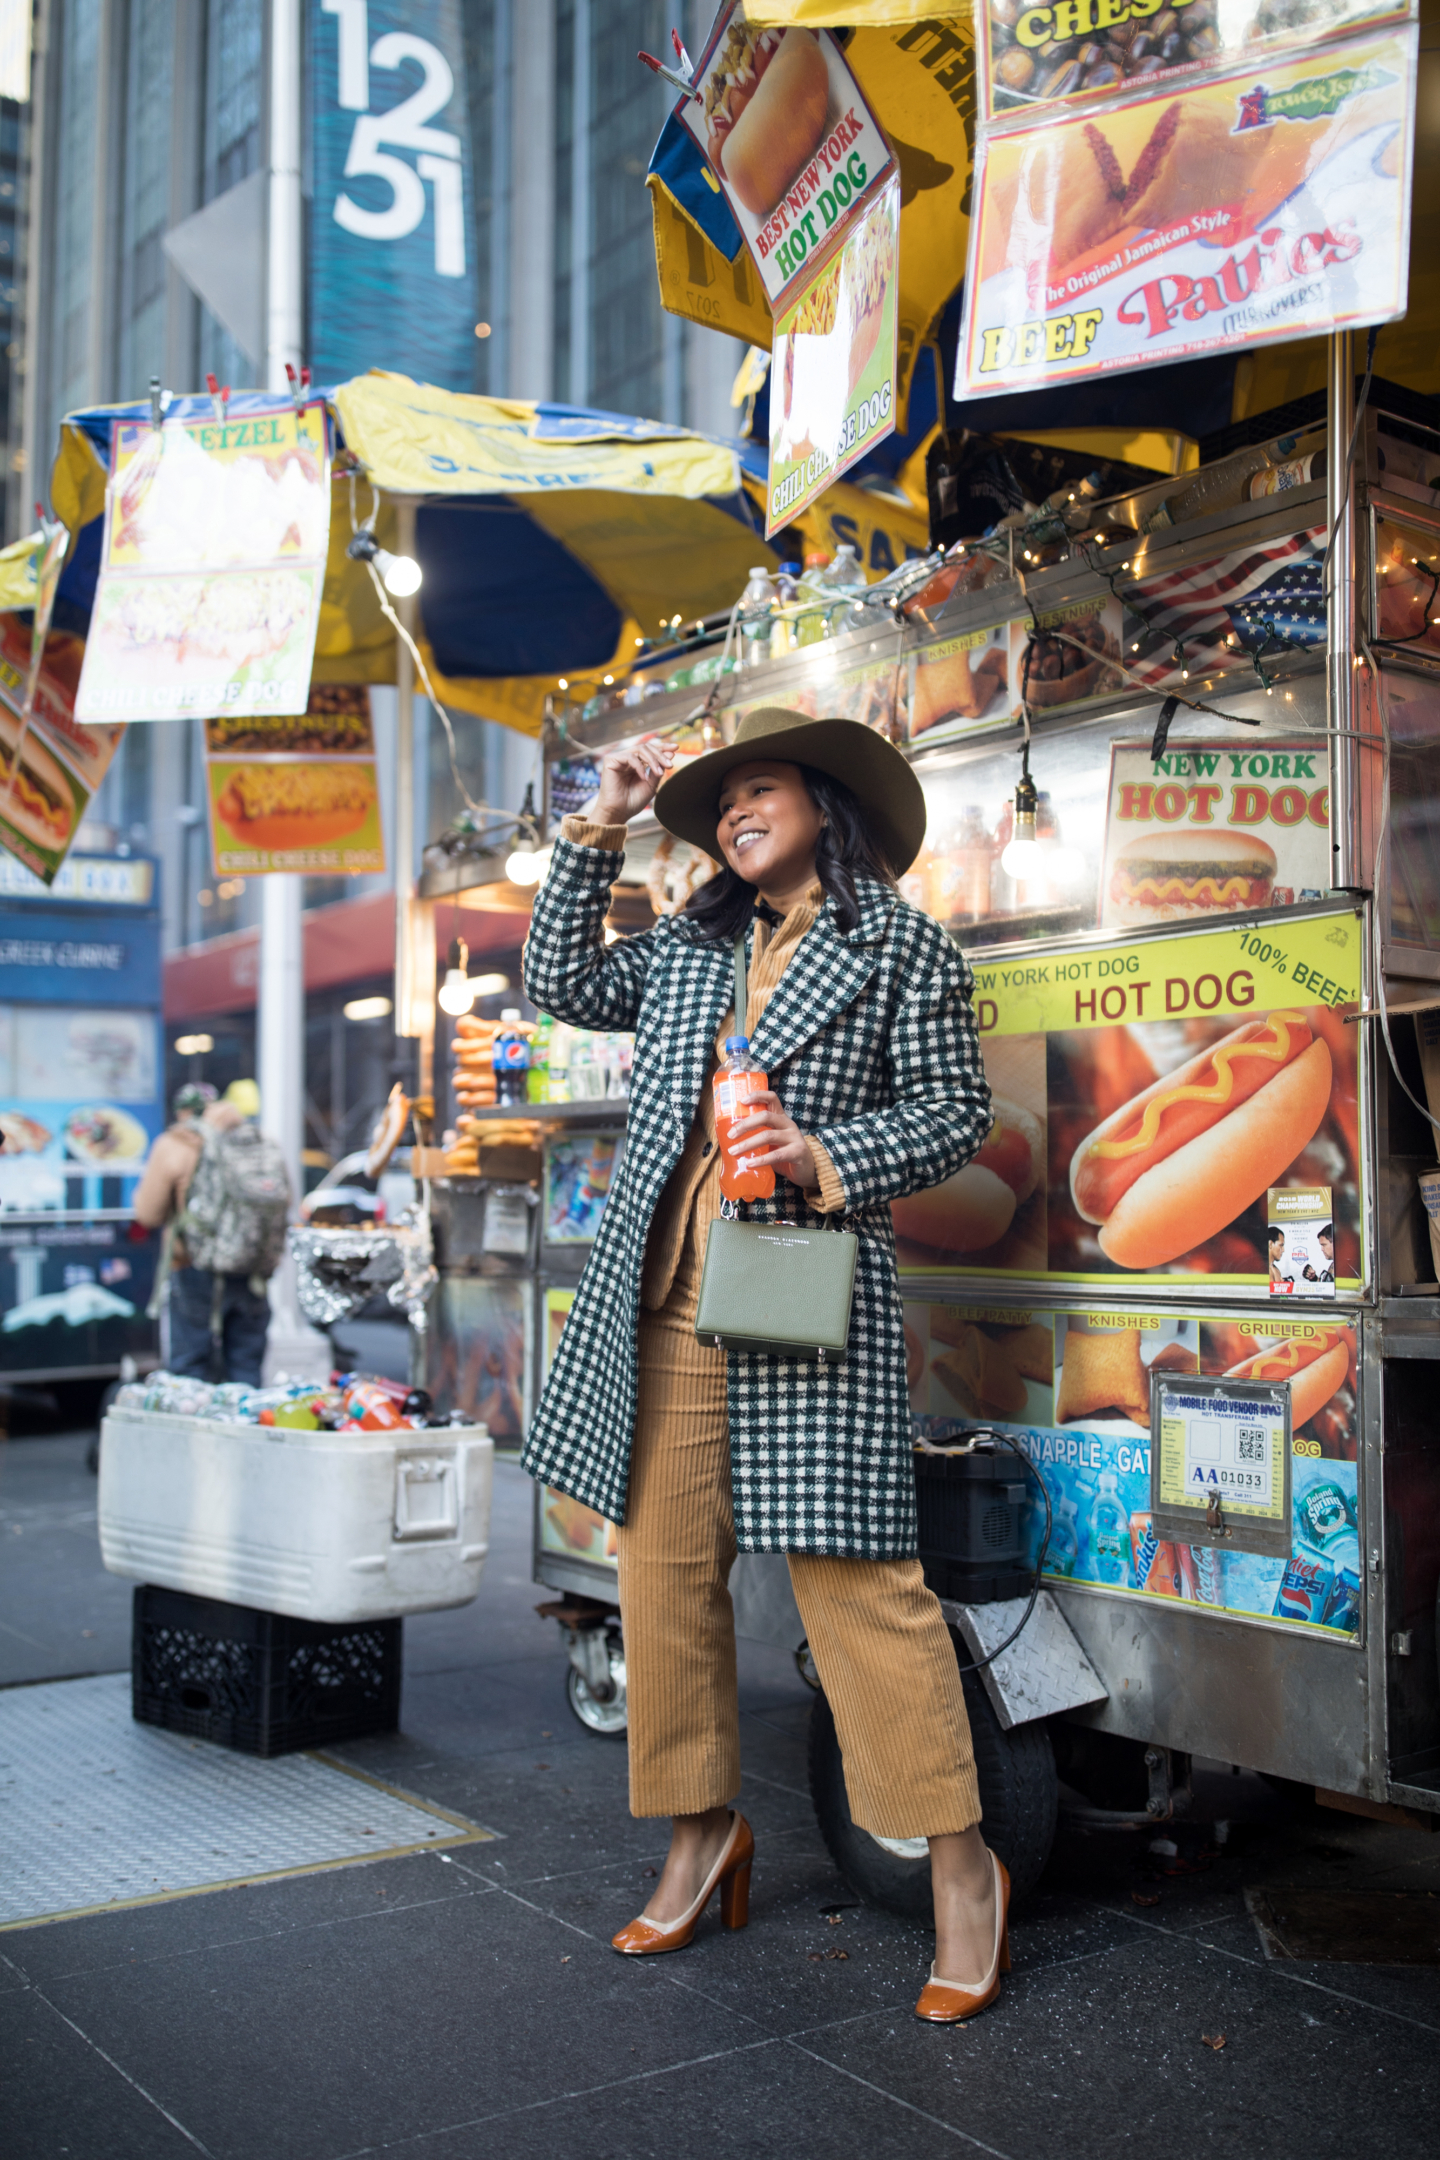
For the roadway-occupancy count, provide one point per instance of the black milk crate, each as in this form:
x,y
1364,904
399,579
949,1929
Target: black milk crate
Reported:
x,y
972,1525
260,1682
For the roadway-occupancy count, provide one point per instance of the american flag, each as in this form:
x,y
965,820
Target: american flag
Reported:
x,y
1223,610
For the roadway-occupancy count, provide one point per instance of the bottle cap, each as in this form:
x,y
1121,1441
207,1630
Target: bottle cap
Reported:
x,y
789,569
510,1012
736,1042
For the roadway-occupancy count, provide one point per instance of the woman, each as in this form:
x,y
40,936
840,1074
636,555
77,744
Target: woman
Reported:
x,y
859,1014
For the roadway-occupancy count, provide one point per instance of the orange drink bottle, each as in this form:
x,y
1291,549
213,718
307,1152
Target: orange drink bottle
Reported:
x,y
736,1081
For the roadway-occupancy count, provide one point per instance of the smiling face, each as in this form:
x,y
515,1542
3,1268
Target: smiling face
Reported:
x,y
768,827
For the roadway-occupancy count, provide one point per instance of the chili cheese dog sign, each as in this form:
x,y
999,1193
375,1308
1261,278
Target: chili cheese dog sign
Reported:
x,y
1148,1096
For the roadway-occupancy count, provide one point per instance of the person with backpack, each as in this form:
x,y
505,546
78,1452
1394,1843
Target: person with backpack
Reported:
x,y
229,1238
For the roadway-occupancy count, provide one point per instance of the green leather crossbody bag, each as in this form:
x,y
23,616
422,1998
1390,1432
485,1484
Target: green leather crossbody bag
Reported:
x,y
775,1287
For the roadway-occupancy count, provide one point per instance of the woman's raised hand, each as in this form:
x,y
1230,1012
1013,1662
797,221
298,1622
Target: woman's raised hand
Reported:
x,y
630,773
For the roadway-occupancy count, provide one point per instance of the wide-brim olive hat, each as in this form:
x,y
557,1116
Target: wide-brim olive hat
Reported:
x,y
891,798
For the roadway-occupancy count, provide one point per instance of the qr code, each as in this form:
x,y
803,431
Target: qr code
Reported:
x,y
1250,1443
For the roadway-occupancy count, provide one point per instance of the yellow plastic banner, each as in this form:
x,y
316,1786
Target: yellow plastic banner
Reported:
x,y
417,440
1312,960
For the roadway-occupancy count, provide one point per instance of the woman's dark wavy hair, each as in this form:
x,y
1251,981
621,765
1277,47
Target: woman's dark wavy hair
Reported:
x,y
845,850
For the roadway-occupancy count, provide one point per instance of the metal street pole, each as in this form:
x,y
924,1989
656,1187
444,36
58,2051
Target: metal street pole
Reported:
x,y
282,979
281,998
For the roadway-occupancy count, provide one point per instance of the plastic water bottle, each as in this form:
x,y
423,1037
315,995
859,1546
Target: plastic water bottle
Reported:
x,y
737,1080
1109,1529
756,602
813,620
782,622
511,1059
1063,1550
844,581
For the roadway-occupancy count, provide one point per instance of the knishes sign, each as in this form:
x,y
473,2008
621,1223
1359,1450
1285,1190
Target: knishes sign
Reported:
x,y
792,144
1238,211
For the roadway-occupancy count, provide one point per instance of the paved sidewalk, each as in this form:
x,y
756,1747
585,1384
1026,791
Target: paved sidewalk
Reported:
x,y
457,2005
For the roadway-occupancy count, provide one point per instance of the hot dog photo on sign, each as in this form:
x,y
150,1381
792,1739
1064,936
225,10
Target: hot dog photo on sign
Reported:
x,y
1166,1136
788,136
992,1214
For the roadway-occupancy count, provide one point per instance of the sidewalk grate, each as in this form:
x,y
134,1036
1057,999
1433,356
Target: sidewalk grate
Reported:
x,y
98,1811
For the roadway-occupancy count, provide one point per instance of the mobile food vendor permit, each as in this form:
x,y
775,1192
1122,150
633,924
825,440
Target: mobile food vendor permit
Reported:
x,y
1264,203
1220,1461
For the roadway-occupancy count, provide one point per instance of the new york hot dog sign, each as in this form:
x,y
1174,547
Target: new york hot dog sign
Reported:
x,y
789,138
1250,969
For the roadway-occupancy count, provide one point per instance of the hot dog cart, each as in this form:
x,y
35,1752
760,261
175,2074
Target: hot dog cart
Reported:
x,y
1243,1479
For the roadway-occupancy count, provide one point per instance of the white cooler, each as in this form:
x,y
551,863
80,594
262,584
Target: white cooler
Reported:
x,y
330,1526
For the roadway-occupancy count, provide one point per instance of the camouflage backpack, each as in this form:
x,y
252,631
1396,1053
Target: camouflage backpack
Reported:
x,y
236,1209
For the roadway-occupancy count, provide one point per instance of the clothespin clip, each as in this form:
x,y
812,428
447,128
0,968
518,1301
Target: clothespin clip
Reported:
x,y
682,81
219,399
299,385
158,402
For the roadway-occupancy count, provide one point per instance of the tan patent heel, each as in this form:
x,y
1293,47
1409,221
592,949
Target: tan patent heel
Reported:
x,y
730,1875
947,2002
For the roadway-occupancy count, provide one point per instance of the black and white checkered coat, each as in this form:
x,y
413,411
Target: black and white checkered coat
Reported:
x,y
869,1042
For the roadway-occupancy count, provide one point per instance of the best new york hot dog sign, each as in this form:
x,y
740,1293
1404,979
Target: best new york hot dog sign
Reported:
x,y
792,144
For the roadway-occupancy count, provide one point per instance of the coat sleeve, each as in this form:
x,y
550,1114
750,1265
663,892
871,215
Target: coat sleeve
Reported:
x,y
569,970
941,1112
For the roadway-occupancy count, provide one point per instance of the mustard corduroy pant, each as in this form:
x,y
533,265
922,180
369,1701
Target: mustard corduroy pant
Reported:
x,y
876,1633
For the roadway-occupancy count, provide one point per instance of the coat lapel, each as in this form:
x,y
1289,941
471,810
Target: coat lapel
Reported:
x,y
828,972
707,973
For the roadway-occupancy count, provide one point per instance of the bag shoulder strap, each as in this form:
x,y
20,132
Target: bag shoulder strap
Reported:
x,y
740,986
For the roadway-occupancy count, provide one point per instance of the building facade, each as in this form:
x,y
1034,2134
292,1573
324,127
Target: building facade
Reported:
x,y
146,113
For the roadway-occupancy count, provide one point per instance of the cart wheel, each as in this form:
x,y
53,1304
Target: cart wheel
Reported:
x,y
1018,1794
605,1718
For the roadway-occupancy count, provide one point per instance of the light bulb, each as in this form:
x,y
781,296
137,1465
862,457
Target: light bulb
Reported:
x,y
400,573
455,995
1023,857
523,865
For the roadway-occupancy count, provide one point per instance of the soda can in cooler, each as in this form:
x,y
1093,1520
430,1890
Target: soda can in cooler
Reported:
x,y
1156,1567
1342,1605
1200,1574
1303,1590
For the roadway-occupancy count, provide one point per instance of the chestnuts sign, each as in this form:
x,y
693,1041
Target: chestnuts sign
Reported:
x,y
1087,48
